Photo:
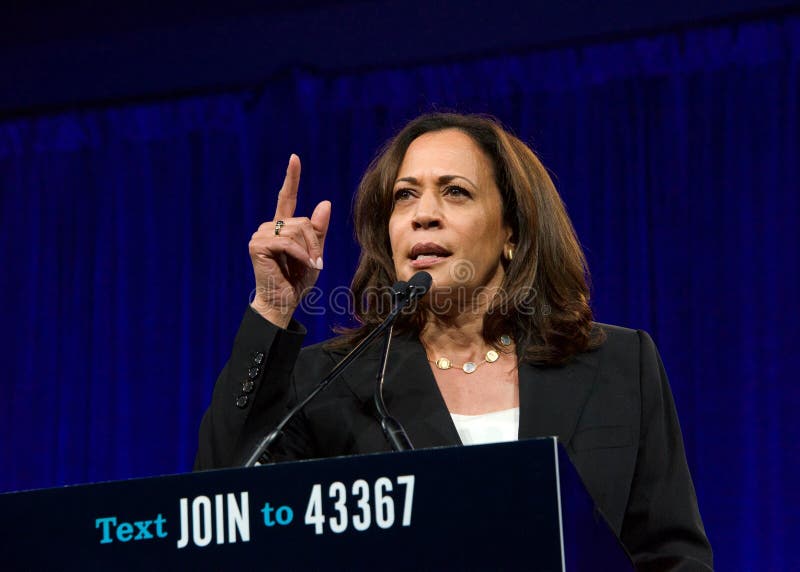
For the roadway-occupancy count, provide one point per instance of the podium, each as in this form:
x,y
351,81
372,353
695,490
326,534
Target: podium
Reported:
x,y
507,506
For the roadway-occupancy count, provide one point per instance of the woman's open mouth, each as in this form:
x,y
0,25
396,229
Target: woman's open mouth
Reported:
x,y
426,254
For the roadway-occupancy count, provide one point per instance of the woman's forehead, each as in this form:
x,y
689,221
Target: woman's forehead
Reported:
x,y
449,152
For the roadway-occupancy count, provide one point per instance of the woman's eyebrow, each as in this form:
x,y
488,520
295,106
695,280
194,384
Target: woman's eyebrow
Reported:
x,y
444,179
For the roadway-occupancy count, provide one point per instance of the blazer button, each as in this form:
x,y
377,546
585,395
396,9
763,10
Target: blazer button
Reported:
x,y
257,357
241,401
247,386
252,373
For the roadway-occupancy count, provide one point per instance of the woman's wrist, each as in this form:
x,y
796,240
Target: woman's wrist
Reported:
x,y
277,316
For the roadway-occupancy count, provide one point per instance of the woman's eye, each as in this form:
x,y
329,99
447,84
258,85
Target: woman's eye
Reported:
x,y
402,194
456,191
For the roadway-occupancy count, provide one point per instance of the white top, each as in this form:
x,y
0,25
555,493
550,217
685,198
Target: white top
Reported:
x,y
494,427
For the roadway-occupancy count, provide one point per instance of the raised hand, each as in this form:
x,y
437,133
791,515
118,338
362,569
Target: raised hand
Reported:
x,y
287,252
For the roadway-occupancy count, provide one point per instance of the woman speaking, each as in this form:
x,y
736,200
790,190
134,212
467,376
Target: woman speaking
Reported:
x,y
503,346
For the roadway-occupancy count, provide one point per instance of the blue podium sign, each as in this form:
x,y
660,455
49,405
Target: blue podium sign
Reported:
x,y
489,507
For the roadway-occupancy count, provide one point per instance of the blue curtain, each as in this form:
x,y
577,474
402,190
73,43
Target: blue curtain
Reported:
x,y
125,268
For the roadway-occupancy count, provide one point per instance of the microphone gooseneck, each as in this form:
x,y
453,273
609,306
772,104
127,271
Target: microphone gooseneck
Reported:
x,y
392,429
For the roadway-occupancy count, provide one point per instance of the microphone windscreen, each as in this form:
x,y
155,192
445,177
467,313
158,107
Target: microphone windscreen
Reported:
x,y
400,287
421,281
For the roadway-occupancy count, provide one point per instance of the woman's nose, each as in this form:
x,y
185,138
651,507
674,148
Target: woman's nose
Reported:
x,y
427,213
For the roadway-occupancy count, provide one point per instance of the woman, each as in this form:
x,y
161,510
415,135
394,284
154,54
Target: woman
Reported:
x,y
503,346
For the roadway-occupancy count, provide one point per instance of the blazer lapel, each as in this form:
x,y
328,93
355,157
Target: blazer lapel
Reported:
x,y
409,390
552,398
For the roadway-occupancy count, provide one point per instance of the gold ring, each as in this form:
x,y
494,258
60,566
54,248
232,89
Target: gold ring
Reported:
x,y
279,224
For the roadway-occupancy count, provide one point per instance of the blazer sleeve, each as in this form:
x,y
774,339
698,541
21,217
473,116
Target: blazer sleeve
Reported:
x,y
251,394
662,527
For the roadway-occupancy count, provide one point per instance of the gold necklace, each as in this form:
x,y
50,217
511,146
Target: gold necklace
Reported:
x,y
470,366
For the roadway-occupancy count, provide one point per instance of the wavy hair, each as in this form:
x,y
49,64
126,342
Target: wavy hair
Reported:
x,y
544,297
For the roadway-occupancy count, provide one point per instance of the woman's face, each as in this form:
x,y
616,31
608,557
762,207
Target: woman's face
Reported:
x,y
448,215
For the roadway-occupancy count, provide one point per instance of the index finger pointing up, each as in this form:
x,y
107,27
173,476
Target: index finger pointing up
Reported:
x,y
287,197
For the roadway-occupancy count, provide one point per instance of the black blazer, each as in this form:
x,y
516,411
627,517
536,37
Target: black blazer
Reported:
x,y
612,408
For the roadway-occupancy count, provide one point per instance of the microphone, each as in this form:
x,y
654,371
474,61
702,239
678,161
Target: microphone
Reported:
x,y
415,288
393,430
405,293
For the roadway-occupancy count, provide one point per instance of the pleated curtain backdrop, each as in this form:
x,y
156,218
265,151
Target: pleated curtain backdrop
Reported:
x,y
125,268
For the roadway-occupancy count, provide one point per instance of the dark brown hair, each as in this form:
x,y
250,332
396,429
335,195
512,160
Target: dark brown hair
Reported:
x,y
544,300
